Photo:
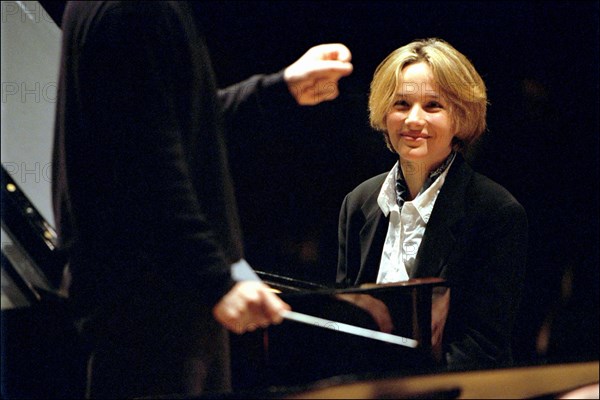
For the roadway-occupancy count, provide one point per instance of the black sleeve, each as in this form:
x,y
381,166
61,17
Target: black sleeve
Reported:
x,y
485,300
256,109
257,94
342,279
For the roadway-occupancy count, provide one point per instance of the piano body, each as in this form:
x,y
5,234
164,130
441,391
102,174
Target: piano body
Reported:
x,y
337,337
41,354
43,358
40,343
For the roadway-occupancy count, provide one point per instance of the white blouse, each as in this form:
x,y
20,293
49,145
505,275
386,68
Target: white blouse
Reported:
x,y
406,226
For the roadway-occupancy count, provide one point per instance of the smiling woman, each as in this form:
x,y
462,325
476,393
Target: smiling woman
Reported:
x,y
418,125
431,215
448,76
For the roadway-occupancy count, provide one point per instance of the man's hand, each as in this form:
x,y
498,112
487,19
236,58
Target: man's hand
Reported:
x,y
314,77
247,306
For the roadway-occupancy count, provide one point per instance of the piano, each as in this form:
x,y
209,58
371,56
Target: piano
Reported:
x,y
334,337
301,358
291,354
42,356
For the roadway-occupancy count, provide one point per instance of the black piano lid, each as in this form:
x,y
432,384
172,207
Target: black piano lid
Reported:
x,y
30,232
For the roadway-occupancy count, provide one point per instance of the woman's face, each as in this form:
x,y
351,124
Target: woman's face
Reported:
x,y
419,124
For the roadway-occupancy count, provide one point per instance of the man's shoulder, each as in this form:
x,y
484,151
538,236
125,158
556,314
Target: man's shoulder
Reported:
x,y
143,12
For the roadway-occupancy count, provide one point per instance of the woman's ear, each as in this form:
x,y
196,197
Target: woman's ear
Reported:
x,y
388,142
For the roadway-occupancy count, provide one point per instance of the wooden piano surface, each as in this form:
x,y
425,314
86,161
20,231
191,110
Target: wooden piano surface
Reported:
x,y
530,382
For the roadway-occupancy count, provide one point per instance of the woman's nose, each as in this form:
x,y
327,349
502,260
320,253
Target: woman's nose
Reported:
x,y
415,117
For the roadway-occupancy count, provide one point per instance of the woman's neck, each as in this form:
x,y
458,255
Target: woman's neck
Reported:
x,y
415,174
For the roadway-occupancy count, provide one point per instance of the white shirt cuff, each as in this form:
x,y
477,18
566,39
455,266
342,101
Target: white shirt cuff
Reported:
x,y
242,271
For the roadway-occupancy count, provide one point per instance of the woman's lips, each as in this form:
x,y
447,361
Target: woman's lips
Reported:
x,y
414,136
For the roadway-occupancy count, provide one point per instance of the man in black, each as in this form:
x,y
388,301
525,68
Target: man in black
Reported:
x,y
143,197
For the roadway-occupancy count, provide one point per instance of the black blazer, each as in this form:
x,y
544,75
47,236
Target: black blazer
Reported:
x,y
476,239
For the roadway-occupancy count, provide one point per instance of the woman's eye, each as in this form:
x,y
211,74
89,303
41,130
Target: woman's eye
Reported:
x,y
401,104
434,104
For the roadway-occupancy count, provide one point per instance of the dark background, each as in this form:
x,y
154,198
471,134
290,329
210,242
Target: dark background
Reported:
x,y
540,62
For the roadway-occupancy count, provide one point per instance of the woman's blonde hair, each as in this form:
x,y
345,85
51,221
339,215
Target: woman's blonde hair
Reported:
x,y
457,81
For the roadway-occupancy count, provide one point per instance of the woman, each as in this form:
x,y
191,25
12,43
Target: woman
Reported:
x,y
431,215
